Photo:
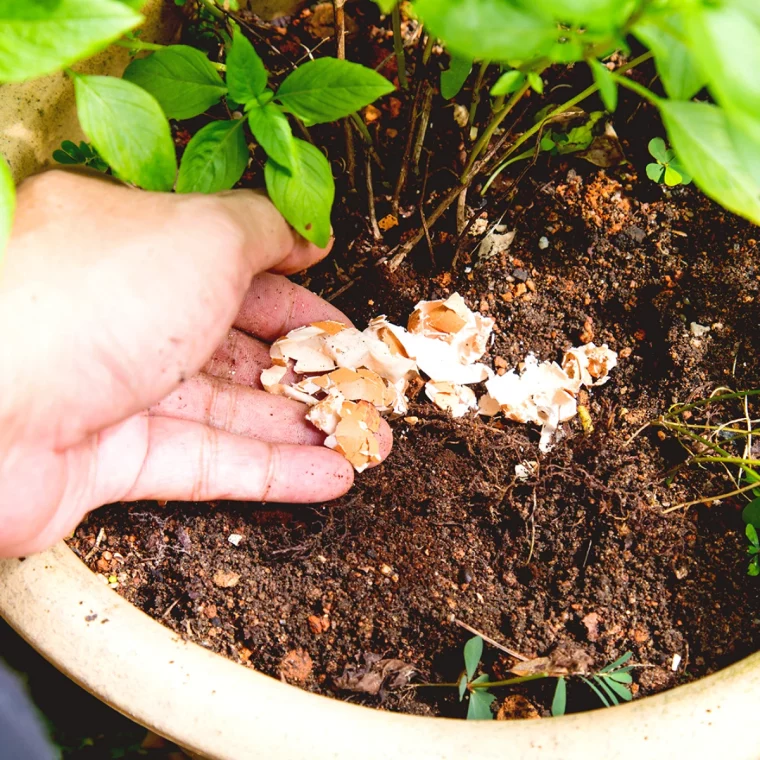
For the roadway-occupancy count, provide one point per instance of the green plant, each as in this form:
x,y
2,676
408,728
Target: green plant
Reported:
x,y
127,119
753,550
718,431
666,169
697,45
610,684
71,154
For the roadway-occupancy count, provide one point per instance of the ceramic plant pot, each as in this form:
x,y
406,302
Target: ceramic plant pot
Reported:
x,y
219,709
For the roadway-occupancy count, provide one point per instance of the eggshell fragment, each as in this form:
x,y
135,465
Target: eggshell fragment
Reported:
x,y
453,322
589,364
350,376
544,393
458,399
355,434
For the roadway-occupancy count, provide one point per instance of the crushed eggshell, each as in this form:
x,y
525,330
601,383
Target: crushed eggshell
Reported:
x,y
355,434
457,399
348,377
545,393
589,365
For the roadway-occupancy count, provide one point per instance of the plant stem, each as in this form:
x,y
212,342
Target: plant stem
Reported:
x,y
212,8
705,499
362,127
398,47
474,165
712,399
371,200
731,460
140,45
493,125
339,16
507,681
568,104
429,42
639,89
476,93
427,103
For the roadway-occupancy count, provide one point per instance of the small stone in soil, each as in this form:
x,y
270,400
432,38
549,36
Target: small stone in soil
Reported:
x,y
295,666
226,579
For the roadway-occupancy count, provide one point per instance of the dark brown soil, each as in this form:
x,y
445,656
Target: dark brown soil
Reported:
x,y
579,556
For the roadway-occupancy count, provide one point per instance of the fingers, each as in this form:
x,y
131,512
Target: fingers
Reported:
x,y
245,411
239,359
271,243
191,462
240,410
273,306
139,287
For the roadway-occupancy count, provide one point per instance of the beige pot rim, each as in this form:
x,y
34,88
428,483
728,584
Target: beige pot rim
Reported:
x,y
226,711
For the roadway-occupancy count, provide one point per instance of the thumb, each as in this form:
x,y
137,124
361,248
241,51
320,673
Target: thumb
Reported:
x,y
270,242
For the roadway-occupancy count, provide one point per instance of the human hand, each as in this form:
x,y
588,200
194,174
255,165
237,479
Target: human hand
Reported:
x,y
112,303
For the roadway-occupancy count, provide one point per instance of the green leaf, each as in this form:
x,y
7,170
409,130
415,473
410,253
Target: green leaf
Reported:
x,y
328,89
664,34
473,650
272,131
480,705
655,172
727,43
214,159
536,83
128,129
621,677
246,74
658,149
559,702
700,136
751,513
7,206
547,143
751,533
672,177
453,78
604,700
617,663
180,78
304,197
41,36
70,153
462,686
754,568
495,30
606,84
593,14
508,82
620,689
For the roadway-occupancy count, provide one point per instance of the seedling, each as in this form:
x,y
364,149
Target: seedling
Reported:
x,y
718,431
666,170
611,684
753,550
71,154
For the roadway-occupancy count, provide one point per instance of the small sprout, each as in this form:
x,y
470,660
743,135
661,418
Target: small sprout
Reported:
x,y
667,170
559,703
71,154
753,550
473,650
